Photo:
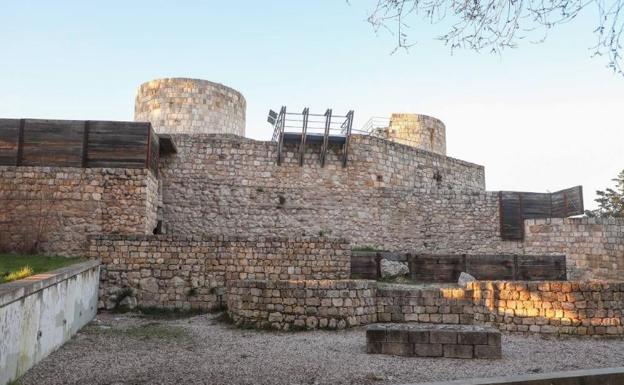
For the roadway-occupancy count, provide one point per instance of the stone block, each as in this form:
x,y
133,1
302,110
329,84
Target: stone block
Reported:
x,y
374,347
397,349
419,336
397,335
472,338
375,335
458,351
428,350
443,337
487,351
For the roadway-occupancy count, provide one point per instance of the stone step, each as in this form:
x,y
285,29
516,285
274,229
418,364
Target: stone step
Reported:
x,y
434,340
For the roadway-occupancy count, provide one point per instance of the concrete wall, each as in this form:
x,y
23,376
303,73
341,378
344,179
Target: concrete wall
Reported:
x,y
41,313
61,206
180,105
184,272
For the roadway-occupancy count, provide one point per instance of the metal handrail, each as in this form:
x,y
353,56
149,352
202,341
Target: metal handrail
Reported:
x,y
300,123
375,123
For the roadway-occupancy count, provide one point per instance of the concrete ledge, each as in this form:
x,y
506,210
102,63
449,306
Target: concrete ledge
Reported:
x,y
605,376
14,291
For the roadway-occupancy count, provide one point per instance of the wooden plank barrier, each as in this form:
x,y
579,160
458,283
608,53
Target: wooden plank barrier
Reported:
x,y
515,207
77,143
440,268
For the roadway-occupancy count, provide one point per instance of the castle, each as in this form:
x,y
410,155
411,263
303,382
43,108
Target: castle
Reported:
x,y
180,199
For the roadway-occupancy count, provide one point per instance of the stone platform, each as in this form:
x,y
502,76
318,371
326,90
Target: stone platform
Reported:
x,y
427,340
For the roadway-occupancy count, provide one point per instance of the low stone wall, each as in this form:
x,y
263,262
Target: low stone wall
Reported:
x,y
55,209
309,304
546,307
171,271
578,308
427,305
594,246
41,313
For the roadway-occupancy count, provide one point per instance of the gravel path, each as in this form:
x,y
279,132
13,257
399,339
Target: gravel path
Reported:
x,y
127,349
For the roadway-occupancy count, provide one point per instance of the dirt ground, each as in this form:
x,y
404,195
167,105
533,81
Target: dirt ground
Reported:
x,y
117,349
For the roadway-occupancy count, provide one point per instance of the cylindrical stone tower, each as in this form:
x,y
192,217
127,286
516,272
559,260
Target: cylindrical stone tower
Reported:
x,y
190,106
420,131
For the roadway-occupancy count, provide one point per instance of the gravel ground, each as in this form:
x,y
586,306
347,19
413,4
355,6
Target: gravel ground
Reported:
x,y
128,349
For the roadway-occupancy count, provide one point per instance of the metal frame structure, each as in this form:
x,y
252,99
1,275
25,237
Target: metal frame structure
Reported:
x,y
306,127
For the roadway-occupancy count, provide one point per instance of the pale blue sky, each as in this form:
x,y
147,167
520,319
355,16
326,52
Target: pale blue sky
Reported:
x,y
540,117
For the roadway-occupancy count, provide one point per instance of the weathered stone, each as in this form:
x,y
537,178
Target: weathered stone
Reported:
x,y
393,269
465,279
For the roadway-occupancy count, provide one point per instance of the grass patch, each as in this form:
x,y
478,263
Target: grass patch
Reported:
x,y
13,267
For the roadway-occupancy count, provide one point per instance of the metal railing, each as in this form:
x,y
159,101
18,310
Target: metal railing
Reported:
x,y
375,124
308,124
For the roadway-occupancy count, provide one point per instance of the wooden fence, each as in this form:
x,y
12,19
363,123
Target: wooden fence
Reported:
x,y
438,268
77,143
515,207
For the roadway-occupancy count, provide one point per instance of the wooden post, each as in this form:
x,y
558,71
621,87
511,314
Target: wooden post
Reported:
x,y
20,143
149,146
85,144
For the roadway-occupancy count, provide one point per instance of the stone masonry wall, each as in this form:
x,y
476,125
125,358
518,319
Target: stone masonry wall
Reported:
x,y
310,304
388,195
59,207
594,247
180,105
420,131
547,307
170,271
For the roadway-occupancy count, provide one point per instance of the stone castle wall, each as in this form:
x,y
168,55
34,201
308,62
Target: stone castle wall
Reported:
x,y
184,272
180,105
59,207
420,131
389,195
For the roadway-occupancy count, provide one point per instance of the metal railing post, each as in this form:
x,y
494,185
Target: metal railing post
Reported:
x,y
304,133
328,115
280,139
345,151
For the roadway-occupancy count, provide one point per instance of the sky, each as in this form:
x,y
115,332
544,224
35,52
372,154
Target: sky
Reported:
x,y
541,117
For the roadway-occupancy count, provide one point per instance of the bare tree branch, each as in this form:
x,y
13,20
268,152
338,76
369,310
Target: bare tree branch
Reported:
x,y
498,24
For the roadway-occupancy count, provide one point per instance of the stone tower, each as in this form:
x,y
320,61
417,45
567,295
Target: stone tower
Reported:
x,y
190,106
420,131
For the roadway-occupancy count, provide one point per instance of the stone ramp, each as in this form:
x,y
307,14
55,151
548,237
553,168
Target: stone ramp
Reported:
x,y
430,340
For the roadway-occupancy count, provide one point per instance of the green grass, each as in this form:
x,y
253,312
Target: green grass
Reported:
x,y
13,267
